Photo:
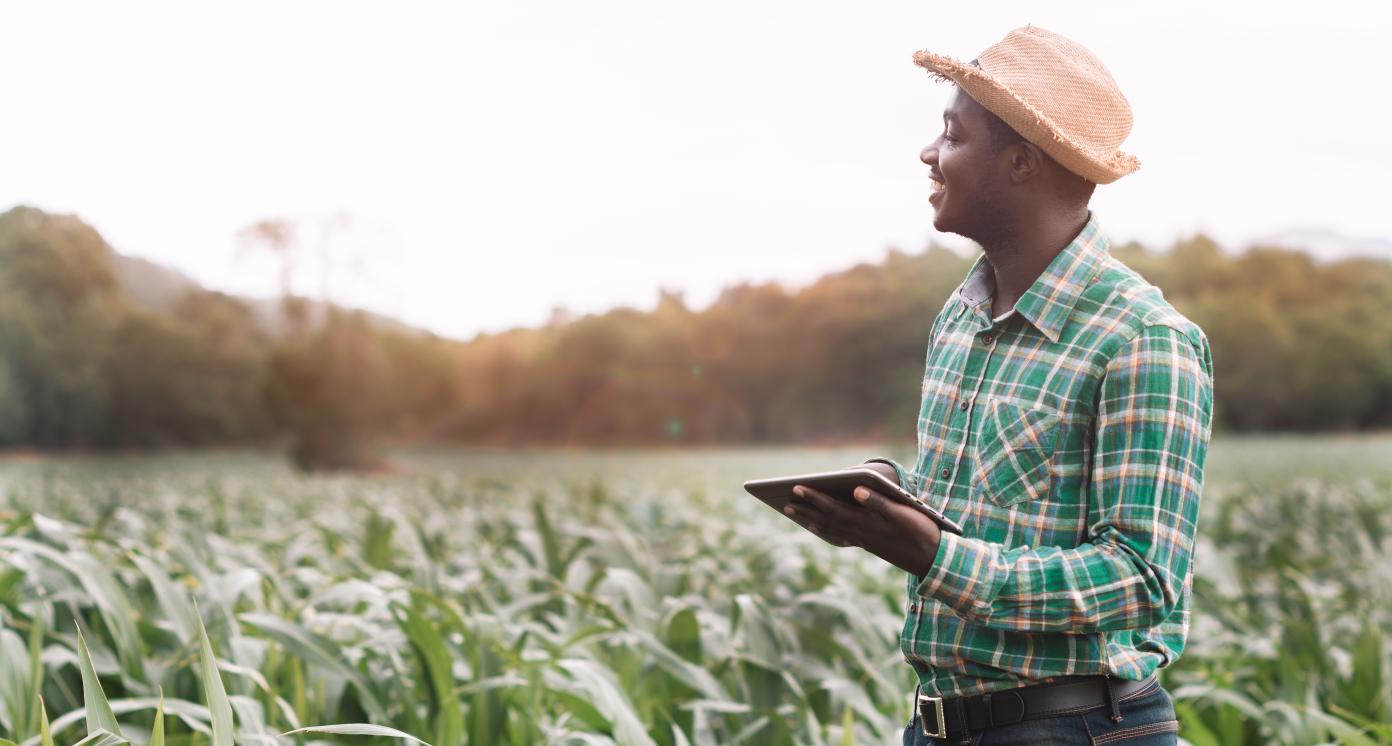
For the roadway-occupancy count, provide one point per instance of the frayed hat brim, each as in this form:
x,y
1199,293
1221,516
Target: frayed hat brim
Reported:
x,y
1025,118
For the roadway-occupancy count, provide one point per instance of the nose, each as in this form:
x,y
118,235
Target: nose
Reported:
x,y
929,154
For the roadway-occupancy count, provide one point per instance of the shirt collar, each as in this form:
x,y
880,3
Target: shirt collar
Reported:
x,y
1050,300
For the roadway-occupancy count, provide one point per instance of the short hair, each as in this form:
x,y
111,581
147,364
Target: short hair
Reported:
x,y
1002,134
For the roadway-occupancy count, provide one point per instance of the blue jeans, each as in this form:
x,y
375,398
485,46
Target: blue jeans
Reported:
x,y
1147,719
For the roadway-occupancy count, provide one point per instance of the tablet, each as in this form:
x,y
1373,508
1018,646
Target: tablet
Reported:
x,y
777,491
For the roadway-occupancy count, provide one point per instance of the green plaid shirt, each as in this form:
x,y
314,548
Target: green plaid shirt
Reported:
x,y
1068,439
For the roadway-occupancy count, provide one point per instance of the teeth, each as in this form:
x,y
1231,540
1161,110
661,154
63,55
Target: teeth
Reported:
x,y
938,186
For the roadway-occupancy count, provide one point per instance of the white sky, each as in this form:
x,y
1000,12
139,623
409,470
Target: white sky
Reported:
x,y
486,162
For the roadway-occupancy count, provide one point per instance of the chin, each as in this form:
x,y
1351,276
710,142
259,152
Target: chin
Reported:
x,y
940,225
945,222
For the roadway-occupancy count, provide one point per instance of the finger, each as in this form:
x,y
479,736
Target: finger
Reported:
x,y
838,541
806,504
831,507
876,502
870,499
830,537
802,519
849,519
827,511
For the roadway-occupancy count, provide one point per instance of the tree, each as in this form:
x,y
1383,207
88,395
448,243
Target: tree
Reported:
x,y
59,304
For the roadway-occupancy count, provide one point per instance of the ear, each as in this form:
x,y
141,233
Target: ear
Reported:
x,y
1025,161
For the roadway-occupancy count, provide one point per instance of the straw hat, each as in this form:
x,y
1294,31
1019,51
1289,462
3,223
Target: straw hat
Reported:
x,y
1054,92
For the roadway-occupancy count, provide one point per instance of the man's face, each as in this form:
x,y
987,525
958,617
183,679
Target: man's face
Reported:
x,y
969,173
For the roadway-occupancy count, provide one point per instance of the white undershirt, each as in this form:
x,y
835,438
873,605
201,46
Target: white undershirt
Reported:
x,y
1001,317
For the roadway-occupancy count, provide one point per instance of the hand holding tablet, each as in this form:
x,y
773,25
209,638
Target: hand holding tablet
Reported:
x,y
777,492
864,508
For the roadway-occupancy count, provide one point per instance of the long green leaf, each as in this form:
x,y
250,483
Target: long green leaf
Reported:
x,y
102,738
157,732
691,675
356,729
192,714
103,589
219,708
36,670
177,609
598,683
435,656
45,738
317,652
15,694
99,714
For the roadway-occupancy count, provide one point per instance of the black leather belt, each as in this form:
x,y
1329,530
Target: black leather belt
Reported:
x,y
949,718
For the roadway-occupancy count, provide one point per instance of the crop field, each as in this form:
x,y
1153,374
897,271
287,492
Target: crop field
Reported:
x,y
553,597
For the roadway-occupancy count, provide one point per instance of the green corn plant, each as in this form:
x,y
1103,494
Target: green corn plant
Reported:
x,y
654,604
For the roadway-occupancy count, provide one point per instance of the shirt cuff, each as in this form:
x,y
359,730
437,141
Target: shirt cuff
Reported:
x,y
903,475
966,575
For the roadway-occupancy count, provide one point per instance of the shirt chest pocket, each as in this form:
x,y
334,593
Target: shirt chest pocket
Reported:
x,y
1014,448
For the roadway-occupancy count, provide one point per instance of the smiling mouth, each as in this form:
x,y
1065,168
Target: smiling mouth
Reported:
x,y
938,186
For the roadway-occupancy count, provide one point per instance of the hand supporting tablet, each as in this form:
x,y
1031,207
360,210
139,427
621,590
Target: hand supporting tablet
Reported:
x,y
777,492
864,509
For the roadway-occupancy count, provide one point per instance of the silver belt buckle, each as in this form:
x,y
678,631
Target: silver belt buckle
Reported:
x,y
937,710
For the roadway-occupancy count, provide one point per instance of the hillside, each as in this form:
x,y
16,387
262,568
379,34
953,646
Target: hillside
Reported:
x,y
99,350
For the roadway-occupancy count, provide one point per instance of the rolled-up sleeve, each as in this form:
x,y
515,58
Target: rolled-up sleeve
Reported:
x,y
1153,420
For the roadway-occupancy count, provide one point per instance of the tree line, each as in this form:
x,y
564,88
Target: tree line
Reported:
x,y
1298,344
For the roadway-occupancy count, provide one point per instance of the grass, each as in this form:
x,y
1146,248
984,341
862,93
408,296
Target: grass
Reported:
x,y
607,597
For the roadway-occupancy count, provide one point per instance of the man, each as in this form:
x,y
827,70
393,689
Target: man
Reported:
x,y
1064,424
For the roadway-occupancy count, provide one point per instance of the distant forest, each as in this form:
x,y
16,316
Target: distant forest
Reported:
x,y
94,355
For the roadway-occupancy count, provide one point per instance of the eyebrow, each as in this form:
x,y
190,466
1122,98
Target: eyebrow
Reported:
x,y
949,115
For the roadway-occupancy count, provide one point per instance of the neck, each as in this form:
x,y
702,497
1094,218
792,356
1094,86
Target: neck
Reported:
x,y
1023,248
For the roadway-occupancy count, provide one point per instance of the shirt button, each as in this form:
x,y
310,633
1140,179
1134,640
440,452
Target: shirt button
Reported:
x,y
945,472
964,405
987,340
